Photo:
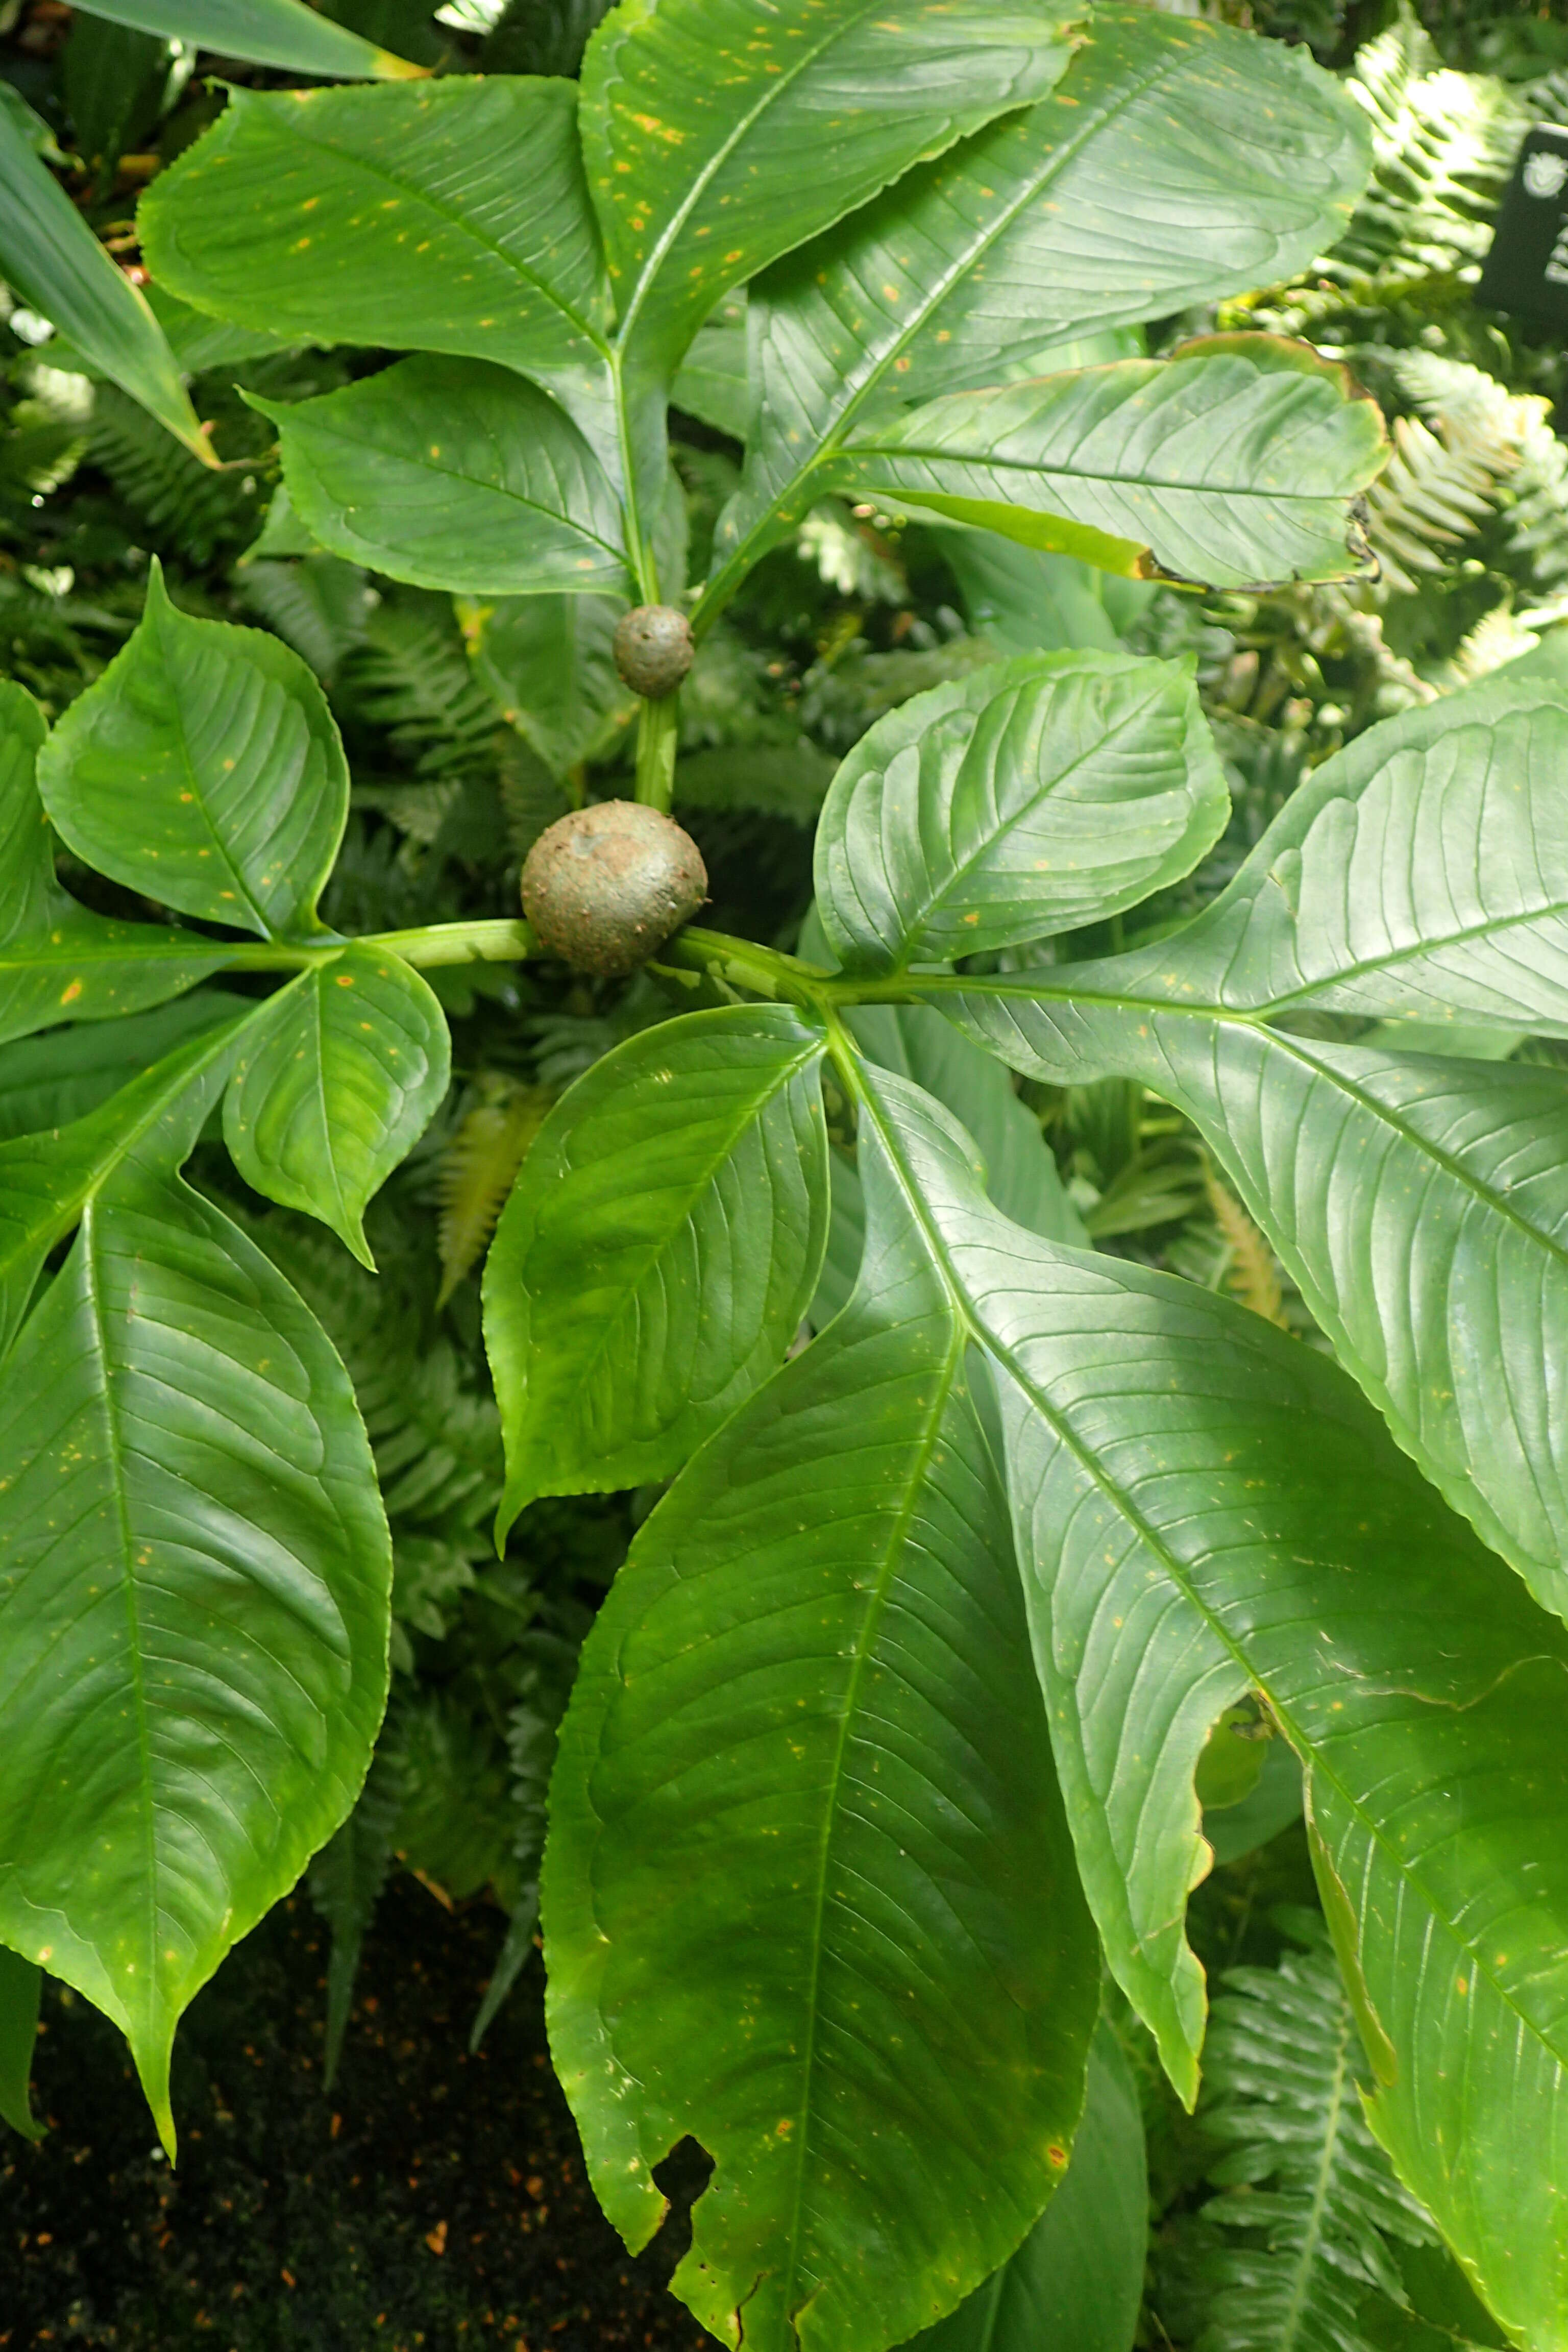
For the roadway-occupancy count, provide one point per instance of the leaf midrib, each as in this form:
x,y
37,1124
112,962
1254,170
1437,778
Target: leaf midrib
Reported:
x,y
875,1609
1490,929
1052,470
1160,1550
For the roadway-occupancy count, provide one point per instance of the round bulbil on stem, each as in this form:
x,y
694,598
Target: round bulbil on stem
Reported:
x,y
653,649
604,888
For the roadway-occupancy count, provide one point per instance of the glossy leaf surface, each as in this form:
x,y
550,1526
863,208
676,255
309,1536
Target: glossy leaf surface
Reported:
x,y
1042,793
453,475
1234,463
808,1703
281,33
21,1984
204,768
58,960
193,1581
53,261
658,1251
447,215
1182,1547
1177,162
1078,2278
335,1081
1421,874
716,138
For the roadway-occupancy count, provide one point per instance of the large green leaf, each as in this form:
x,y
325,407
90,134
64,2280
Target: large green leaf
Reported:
x,y
47,1180
446,215
660,1250
282,33
336,1080
49,1081
1076,2281
1043,792
195,1573
716,138
1236,464
1421,873
59,962
453,475
51,258
204,768
550,663
1177,162
1183,1546
21,1984
807,1705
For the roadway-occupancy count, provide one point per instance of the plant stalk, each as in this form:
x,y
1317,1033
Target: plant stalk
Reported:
x,y
659,730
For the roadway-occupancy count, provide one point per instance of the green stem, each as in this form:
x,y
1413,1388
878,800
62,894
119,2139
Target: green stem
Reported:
x,y
433,943
658,730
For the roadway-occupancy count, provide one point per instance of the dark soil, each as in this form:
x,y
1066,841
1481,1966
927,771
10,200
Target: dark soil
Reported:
x,y
431,2198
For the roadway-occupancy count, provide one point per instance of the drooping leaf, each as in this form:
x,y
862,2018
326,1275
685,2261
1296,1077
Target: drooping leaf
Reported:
x,y
281,33
193,1579
715,139
659,1251
204,768
58,960
446,215
1033,795
1176,162
336,1080
1078,2278
21,1984
549,663
808,1703
1236,463
52,260
451,474
1182,1547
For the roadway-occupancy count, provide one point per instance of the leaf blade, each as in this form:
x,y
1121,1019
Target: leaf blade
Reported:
x,y
675,1197
278,33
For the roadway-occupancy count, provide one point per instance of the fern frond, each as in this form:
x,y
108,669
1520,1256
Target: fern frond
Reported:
x,y
319,605
479,1168
346,1881
530,798
1251,1274
1296,2239
186,503
1429,498
1498,637
411,674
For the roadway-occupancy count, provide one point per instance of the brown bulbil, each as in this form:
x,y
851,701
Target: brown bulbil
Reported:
x,y
604,888
653,650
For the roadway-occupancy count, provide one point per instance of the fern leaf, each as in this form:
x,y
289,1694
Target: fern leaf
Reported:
x,y
530,798
479,1168
346,1881
319,605
186,503
1251,1273
1296,2239
411,676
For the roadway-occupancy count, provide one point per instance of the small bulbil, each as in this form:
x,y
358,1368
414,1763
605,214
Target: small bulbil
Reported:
x,y
653,650
604,888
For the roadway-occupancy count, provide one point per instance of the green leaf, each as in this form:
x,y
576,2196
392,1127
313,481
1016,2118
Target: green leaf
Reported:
x,y
807,1704
58,961
1077,2279
1366,895
1142,188
114,83
338,1077
346,1882
659,1251
711,382
21,1984
1026,798
204,768
1235,464
49,1081
1024,599
453,475
549,663
1181,1548
47,1180
281,33
715,139
53,261
193,1581
446,215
